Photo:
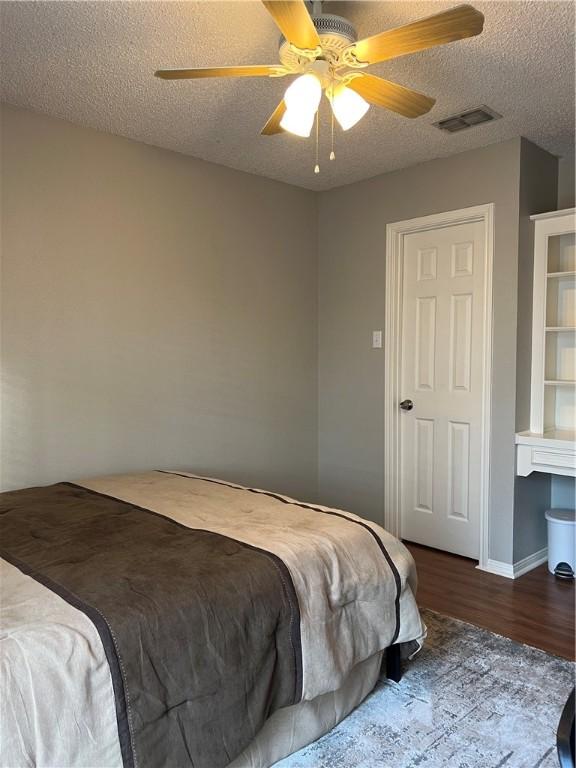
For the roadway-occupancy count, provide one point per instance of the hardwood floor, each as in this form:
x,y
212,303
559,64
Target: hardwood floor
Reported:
x,y
536,609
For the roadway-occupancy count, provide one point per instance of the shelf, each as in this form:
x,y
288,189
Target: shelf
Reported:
x,y
555,437
550,446
553,452
560,382
560,434
560,247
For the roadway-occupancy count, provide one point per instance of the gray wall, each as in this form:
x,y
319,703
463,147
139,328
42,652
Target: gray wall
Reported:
x,y
566,190
563,492
352,269
157,311
161,311
538,193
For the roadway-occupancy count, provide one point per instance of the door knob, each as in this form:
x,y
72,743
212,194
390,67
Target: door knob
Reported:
x,y
406,405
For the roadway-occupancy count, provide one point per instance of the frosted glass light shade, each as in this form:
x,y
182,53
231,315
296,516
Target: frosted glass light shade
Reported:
x,y
302,98
348,107
298,123
304,93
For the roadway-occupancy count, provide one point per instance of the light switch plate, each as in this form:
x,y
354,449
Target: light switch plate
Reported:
x,y
376,339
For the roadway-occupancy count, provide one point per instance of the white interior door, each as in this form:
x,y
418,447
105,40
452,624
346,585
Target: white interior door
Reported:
x,y
442,342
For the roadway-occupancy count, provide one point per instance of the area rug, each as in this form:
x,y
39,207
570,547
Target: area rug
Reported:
x,y
469,699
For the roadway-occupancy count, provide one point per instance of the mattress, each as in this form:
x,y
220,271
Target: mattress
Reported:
x,y
164,619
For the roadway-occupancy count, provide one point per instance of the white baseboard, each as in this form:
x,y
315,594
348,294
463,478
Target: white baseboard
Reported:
x,y
530,562
519,568
499,569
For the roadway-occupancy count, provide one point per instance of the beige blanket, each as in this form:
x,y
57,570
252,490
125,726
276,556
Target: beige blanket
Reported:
x,y
354,582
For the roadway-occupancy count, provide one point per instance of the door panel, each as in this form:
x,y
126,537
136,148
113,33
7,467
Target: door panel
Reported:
x,y
458,469
424,474
425,343
460,341
442,342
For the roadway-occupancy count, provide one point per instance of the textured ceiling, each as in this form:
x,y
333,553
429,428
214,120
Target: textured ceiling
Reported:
x,y
93,63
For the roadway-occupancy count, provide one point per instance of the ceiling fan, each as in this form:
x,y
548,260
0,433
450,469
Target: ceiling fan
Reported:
x,y
324,51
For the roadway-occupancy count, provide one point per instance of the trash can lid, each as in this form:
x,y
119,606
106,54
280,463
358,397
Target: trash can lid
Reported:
x,y
561,515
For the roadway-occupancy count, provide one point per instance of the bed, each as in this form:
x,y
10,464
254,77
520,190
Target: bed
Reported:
x,y
165,619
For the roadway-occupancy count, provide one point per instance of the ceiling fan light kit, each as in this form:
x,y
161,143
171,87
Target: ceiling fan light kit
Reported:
x,y
302,98
324,52
347,105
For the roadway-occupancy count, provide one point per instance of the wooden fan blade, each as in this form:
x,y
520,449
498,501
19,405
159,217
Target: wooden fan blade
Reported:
x,y
273,125
188,74
294,21
392,96
456,24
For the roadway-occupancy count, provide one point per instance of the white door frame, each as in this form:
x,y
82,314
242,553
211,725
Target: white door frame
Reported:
x,y
395,234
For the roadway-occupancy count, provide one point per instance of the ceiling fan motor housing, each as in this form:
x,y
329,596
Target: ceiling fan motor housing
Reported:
x,y
335,32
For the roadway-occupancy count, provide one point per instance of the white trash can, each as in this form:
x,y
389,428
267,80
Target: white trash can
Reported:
x,y
561,540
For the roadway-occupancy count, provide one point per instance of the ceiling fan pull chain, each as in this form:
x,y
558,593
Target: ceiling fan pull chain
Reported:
x,y
332,155
317,167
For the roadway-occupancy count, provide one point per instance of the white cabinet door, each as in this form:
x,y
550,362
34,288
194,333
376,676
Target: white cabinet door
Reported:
x,y
442,343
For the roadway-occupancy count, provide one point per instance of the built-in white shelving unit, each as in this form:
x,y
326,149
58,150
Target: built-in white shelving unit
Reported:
x,y
549,445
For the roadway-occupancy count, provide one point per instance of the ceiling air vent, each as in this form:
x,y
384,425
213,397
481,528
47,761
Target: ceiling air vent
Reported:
x,y
468,119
